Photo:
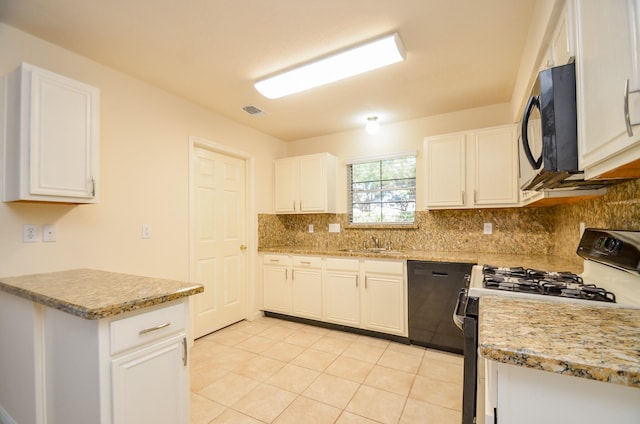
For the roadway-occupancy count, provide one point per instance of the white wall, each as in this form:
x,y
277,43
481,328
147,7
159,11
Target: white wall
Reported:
x,y
397,138
144,173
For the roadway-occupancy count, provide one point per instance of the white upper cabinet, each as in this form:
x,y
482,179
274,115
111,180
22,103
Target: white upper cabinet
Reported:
x,y
445,164
607,61
472,169
51,138
305,184
561,47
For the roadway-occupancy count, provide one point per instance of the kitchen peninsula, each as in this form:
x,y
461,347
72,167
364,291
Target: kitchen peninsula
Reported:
x,y
581,361
94,346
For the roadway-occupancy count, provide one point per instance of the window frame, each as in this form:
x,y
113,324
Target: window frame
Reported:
x,y
350,191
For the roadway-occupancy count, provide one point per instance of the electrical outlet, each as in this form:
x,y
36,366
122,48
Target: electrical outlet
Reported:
x,y
311,228
488,228
146,231
48,233
30,233
334,228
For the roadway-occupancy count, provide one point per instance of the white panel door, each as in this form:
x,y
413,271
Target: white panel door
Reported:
x,y
219,234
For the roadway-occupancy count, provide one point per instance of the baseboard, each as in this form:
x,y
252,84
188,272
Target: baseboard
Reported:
x,y
331,326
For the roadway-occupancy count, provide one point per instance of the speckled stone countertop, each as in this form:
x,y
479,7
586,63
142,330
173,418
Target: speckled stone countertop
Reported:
x,y
583,340
541,262
93,294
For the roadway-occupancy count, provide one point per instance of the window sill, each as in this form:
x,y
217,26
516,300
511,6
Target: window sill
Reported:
x,y
412,226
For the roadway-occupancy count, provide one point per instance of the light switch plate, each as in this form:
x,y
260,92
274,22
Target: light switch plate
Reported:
x,y
146,231
488,228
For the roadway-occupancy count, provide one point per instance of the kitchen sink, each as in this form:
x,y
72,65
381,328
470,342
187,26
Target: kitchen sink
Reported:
x,y
378,250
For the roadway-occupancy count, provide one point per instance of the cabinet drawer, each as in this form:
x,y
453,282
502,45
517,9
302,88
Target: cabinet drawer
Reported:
x,y
343,264
139,329
307,261
385,267
276,260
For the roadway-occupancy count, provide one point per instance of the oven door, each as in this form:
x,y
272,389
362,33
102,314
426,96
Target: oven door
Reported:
x,y
470,374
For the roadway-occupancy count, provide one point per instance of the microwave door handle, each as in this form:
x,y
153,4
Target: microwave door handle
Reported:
x,y
533,102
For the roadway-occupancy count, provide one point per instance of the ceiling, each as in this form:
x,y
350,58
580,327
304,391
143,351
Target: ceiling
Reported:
x,y
459,53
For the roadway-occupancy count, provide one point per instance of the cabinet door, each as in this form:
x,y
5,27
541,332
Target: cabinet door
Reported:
x,y
342,298
445,165
307,292
276,289
52,138
606,57
287,185
313,183
384,299
150,385
495,161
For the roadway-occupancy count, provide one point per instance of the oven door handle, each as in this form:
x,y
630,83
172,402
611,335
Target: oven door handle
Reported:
x,y
458,311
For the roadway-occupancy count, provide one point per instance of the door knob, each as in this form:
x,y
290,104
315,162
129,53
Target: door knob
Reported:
x,y
243,247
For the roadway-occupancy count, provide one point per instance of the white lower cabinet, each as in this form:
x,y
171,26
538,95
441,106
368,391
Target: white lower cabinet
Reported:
x,y
306,282
149,367
368,294
131,368
276,286
342,291
510,390
149,384
384,297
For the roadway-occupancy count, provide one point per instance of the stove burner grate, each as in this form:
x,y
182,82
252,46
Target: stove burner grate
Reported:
x,y
563,284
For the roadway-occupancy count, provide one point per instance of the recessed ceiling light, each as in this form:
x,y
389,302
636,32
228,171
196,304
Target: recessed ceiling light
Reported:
x,y
362,58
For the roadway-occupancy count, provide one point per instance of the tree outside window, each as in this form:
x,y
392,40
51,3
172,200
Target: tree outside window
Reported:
x,y
383,191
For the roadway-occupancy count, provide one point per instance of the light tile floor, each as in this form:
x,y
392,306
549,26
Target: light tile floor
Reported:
x,y
275,371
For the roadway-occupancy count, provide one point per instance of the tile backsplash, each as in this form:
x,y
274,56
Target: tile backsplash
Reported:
x,y
551,230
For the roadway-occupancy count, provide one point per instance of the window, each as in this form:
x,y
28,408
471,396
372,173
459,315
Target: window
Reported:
x,y
382,191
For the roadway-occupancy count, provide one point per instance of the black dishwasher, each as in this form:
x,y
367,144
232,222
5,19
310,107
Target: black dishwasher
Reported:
x,y
433,292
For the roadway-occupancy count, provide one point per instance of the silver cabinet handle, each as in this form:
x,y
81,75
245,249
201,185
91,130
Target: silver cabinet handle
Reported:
x,y
475,196
294,205
274,260
184,352
156,328
627,119
292,274
365,281
286,274
305,262
93,187
357,281
462,196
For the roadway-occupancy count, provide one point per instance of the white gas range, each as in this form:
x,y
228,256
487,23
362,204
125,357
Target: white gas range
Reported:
x,y
611,277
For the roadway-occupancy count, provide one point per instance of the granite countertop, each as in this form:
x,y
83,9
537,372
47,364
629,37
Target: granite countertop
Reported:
x,y
93,294
583,340
542,262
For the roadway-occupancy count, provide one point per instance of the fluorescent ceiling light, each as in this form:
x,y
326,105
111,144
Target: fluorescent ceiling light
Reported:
x,y
366,57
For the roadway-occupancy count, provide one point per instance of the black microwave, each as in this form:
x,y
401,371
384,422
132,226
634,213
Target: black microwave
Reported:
x,y
549,133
